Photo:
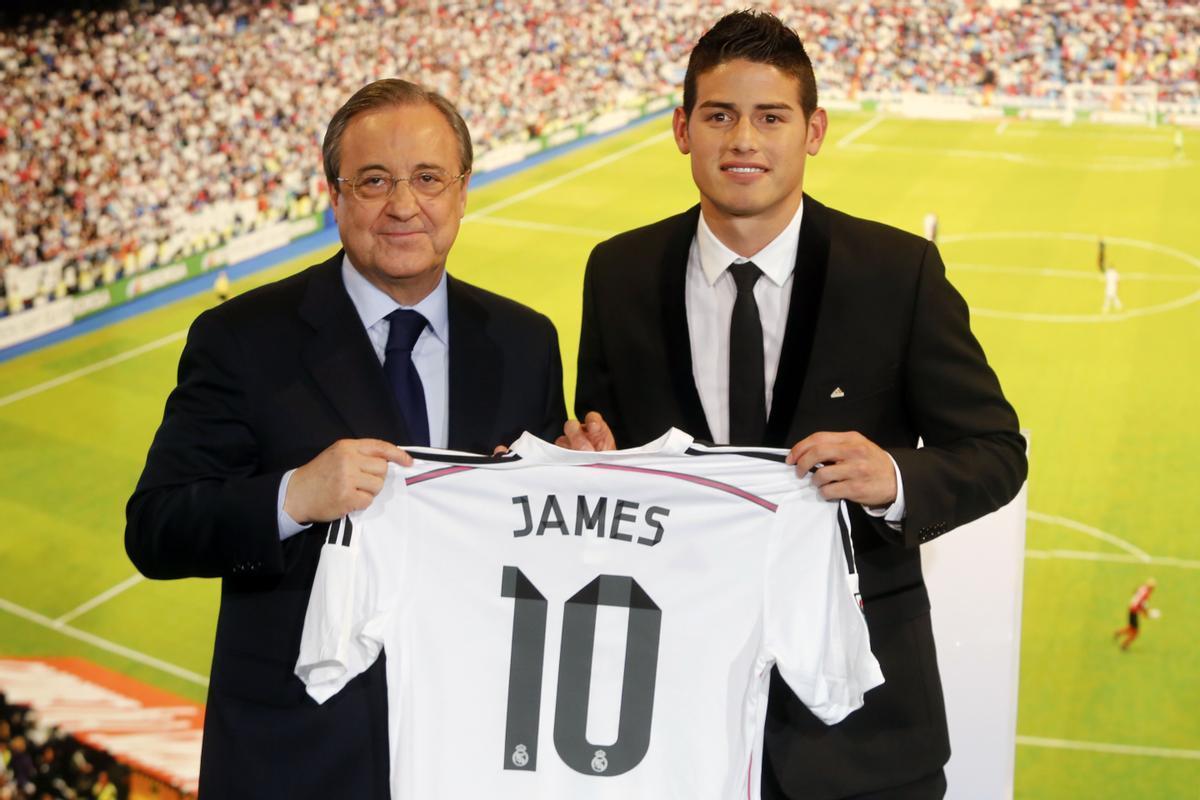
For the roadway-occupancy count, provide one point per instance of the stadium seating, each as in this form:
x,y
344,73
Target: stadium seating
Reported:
x,y
131,137
41,763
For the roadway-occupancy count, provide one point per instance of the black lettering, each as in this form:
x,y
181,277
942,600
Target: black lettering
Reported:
x,y
523,502
557,522
620,516
653,523
591,519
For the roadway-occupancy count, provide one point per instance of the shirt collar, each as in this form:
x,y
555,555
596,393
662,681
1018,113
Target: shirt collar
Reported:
x,y
373,304
777,260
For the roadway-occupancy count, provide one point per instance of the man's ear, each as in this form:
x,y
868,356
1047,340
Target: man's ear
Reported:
x,y
818,125
679,126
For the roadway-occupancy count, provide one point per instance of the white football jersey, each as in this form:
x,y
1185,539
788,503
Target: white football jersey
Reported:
x,y
577,625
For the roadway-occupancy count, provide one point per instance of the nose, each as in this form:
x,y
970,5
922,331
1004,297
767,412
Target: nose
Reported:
x,y
743,137
402,202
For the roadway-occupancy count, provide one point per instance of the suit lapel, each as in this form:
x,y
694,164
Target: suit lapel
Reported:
x,y
476,369
812,265
340,357
675,325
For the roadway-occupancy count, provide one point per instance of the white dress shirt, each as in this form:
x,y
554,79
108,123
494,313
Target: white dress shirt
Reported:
x,y
430,355
709,294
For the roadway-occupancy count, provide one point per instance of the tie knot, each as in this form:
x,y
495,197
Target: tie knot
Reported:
x,y
745,275
404,328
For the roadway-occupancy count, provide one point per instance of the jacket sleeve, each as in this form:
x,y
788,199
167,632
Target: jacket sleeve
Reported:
x,y
593,386
201,507
555,414
973,460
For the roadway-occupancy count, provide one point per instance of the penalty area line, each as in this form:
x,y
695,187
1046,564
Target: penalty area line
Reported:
x,y
103,597
88,370
866,127
102,643
591,166
1105,747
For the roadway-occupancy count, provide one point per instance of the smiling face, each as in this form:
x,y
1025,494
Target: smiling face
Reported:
x,y
748,140
400,243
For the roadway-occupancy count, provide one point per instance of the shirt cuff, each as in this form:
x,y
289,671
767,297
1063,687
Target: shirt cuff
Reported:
x,y
893,515
288,527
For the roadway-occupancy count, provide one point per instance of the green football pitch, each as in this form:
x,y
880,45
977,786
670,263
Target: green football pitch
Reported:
x,y
1111,403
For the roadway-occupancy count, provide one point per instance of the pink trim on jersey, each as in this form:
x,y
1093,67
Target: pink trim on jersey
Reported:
x,y
723,487
435,473
1138,601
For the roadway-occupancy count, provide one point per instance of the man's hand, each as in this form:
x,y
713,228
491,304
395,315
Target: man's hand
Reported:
x,y
593,435
849,466
345,477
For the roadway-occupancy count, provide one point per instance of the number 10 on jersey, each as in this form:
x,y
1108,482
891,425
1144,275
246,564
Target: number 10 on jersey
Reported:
x,y
575,675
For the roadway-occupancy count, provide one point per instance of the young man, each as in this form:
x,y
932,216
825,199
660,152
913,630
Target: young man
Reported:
x,y
291,402
761,317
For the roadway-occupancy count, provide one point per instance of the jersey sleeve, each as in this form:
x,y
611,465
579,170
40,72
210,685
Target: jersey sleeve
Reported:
x,y
353,591
814,629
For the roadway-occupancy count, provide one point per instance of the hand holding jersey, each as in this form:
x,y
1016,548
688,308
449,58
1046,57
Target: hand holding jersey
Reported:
x,y
588,625
845,465
591,435
343,477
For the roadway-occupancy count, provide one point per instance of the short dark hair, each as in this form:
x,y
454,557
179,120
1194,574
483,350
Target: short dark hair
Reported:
x,y
387,93
757,36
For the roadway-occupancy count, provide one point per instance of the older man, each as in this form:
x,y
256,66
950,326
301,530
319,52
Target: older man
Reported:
x,y
291,401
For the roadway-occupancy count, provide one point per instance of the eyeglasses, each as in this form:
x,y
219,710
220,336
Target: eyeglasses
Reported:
x,y
424,183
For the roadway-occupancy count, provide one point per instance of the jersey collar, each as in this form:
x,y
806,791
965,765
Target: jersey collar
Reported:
x,y
531,448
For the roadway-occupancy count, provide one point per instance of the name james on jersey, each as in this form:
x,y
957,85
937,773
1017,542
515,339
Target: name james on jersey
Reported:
x,y
591,515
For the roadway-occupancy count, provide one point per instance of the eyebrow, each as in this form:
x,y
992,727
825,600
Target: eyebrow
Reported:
x,y
760,107
381,168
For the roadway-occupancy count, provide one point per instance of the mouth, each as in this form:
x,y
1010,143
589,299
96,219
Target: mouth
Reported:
x,y
744,174
744,169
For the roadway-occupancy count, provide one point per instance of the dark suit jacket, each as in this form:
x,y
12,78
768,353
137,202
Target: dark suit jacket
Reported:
x,y
266,382
872,314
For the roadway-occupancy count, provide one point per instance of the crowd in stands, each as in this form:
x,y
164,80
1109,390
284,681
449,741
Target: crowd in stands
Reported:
x,y
43,764
135,135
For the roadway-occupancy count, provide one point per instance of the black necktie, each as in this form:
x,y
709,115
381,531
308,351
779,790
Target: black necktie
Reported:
x,y
747,384
404,329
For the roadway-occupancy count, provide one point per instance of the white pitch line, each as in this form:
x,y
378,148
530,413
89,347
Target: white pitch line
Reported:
x,y
507,222
1105,747
1114,558
1101,164
88,370
1153,247
103,644
1095,533
1089,275
867,126
1120,316
103,597
566,176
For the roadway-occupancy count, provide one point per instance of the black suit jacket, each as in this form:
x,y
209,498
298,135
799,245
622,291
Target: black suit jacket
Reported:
x,y
266,382
873,315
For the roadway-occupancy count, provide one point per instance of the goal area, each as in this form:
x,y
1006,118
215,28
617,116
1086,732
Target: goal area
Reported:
x,y
1120,104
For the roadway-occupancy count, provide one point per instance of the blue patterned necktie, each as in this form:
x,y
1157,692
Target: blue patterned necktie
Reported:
x,y
404,328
